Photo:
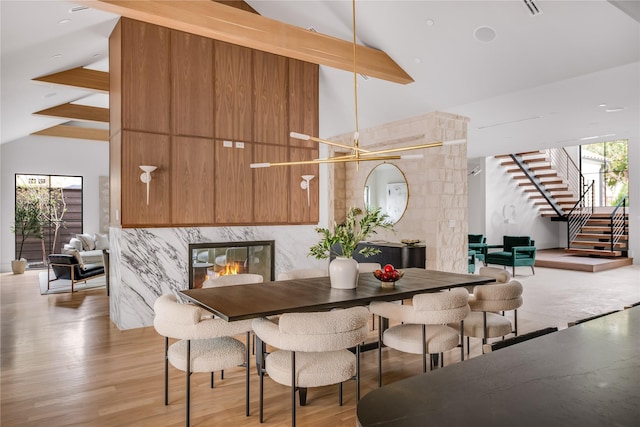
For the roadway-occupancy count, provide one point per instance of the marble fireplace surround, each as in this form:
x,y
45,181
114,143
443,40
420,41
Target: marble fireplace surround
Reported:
x,y
149,262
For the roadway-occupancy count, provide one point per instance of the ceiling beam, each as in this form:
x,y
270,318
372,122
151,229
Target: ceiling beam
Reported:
x,y
78,132
83,113
80,77
229,24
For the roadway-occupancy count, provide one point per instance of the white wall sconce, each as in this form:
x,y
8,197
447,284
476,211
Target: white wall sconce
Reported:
x,y
146,176
304,184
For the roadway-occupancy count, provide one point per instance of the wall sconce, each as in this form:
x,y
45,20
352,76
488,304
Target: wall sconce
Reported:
x,y
304,184
146,176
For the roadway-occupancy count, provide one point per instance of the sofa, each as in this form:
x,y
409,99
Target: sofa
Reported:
x,y
87,248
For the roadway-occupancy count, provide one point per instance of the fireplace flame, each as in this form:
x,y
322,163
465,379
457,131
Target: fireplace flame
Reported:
x,y
229,269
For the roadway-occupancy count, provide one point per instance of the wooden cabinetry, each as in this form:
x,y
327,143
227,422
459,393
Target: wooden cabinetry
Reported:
x,y
202,111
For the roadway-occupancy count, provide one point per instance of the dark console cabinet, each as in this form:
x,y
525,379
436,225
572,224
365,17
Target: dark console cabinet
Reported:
x,y
397,254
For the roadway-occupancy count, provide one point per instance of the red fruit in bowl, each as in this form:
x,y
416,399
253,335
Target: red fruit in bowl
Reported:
x,y
385,277
388,268
395,275
377,273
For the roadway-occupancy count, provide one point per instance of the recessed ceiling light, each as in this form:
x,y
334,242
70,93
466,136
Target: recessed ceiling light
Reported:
x,y
484,34
602,105
586,138
56,56
614,110
430,22
49,95
418,60
64,21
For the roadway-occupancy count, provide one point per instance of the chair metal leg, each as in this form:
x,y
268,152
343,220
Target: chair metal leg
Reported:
x,y
514,271
222,374
248,363
166,371
462,341
293,388
533,270
212,380
261,373
424,349
515,321
468,345
340,394
379,351
484,327
188,370
357,373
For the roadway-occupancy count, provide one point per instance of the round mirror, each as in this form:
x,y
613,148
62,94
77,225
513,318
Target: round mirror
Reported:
x,y
386,188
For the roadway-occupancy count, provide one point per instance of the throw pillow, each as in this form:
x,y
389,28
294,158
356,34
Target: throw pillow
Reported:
x,y
75,244
76,254
102,241
88,242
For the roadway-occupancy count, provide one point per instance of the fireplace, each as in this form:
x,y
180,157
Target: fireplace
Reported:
x,y
216,259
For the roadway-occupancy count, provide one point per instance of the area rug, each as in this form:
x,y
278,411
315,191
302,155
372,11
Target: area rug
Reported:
x,y
62,285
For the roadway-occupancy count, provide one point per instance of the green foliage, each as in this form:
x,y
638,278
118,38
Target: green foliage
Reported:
x,y
29,217
617,166
349,233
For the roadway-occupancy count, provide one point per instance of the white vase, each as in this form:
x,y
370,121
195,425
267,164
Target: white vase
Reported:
x,y
343,273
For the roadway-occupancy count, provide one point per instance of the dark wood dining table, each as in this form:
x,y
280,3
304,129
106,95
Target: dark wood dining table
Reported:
x,y
586,375
315,294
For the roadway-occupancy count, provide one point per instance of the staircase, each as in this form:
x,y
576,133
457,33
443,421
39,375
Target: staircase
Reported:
x,y
556,190
555,185
596,237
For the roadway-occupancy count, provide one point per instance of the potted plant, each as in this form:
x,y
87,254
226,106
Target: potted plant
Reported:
x,y
27,223
357,227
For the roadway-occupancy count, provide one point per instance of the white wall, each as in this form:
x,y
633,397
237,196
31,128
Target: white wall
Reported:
x,y
50,156
476,187
634,199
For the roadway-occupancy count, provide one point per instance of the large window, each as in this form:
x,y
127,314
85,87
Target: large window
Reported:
x,y
59,199
606,163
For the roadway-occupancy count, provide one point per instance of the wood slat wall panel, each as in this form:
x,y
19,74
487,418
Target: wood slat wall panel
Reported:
x,y
115,81
233,89
270,188
192,89
301,210
271,100
193,165
139,148
303,101
145,77
234,186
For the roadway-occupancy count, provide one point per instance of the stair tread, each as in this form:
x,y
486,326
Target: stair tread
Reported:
x,y
599,236
593,252
617,245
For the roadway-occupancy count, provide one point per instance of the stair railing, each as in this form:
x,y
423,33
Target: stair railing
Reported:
x,y
580,214
517,158
618,222
566,168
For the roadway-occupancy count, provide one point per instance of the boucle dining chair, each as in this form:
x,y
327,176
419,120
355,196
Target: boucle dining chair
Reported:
x,y
312,351
302,273
204,344
500,274
424,327
488,304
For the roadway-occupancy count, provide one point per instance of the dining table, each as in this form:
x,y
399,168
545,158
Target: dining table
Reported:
x,y
249,301
585,375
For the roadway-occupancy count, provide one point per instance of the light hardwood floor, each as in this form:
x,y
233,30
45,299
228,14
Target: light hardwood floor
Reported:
x,y
65,364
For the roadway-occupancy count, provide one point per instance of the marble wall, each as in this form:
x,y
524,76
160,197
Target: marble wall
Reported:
x,y
149,262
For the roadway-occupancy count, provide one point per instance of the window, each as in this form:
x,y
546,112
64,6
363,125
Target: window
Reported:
x,y
60,201
606,164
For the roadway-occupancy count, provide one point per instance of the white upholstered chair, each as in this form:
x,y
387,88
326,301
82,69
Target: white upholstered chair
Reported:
x,y
368,267
204,344
233,279
312,350
500,274
488,304
302,273
424,327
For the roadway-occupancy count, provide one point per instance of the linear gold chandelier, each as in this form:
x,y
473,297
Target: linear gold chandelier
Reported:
x,y
356,154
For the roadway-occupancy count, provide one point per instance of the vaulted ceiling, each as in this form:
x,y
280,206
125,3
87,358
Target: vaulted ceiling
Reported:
x,y
558,78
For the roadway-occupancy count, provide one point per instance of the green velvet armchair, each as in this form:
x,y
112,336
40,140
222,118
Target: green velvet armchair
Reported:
x,y
478,244
517,251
